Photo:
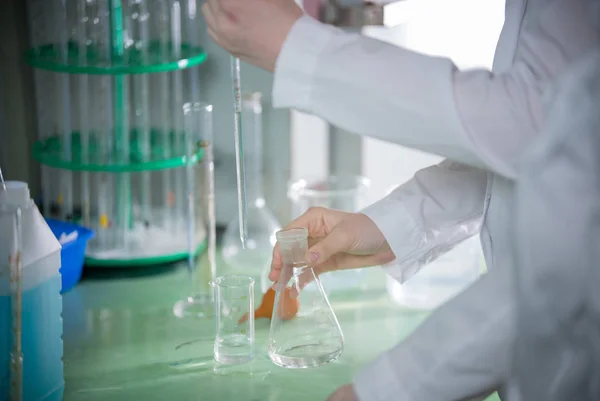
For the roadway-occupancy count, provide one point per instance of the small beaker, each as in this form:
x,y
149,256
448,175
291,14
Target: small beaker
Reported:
x,y
347,193
343,192
234,319
304,329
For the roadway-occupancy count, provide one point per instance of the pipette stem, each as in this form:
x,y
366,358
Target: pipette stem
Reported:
x,y
239,148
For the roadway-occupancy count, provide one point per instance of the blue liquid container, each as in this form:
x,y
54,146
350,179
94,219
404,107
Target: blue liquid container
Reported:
x,y
41,339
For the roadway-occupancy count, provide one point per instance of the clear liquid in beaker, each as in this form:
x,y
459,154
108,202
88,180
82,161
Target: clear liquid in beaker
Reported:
x,y
234,314
233,349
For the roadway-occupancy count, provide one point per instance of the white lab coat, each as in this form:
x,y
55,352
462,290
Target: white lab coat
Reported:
x,y
557,244
481,121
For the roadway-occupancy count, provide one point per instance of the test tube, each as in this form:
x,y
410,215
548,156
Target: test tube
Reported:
x,y
104,127
239,148
177,116
164,87
84,130
192,33
139,12
16,287
65,197
234,300
121,107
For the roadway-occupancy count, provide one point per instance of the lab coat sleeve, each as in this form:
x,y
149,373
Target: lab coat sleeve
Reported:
x,y
475,117
461,352
430,214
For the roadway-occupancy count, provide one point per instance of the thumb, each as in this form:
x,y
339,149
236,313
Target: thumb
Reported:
x,y
337,241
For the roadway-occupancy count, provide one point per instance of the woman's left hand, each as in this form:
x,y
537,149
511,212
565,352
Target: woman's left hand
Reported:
x,y
253,30
344,393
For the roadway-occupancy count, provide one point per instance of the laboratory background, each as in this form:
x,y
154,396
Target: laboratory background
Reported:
x,y
128,144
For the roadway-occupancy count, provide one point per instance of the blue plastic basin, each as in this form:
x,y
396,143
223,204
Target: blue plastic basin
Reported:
x,y
72,254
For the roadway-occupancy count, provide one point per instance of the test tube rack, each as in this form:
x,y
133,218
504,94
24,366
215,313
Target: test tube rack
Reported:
x,y
111,80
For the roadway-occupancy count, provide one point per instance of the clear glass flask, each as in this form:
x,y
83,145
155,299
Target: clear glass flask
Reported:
x,y
261,223
234,319
304,329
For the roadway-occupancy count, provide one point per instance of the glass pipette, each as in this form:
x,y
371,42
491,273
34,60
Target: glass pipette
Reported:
x,y
239,149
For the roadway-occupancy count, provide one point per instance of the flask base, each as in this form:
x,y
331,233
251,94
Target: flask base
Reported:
x,y
305,356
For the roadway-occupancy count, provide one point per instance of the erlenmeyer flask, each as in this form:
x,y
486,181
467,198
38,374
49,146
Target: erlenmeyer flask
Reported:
x,y
304,329
262,224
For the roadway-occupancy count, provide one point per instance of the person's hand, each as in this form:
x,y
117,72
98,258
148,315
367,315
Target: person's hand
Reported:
x,y
344,393
338,240
253,30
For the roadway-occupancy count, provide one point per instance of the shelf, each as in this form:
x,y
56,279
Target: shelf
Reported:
x,y
50,152
134,260
134,61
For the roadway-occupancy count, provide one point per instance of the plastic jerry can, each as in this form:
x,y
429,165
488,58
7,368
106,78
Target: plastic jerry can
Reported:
x,y
41,321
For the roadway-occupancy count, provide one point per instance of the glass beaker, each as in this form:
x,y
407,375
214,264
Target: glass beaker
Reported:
x,y
261,223
234,319
343,192
304,329
441,279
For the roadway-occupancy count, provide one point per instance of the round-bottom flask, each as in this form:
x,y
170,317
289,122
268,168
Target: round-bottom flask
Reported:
x,y
304,329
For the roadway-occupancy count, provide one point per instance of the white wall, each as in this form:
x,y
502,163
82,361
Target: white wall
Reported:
x,y
466,31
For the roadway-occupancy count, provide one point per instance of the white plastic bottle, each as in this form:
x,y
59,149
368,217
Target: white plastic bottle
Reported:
x,y
42,346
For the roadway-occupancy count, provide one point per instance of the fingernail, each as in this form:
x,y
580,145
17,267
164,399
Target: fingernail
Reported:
x,y
313,257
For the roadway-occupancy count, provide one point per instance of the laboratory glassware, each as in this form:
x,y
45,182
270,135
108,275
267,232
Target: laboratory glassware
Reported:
x,y
109,75
440,280
341,192
31,345
314,336
200,187
261,223
239,148
234,319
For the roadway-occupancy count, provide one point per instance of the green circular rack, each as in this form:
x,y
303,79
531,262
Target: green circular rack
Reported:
x,y
145,261
155,58
50,152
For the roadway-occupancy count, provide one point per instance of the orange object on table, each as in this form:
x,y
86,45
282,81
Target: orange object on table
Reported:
x,y
289,308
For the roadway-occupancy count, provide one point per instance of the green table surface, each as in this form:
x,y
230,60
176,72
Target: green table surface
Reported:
x,y
122,342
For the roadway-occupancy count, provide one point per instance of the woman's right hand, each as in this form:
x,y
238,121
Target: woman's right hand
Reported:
x,y
338,240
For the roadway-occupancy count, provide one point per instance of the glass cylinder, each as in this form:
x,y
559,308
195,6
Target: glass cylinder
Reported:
x,y
201,217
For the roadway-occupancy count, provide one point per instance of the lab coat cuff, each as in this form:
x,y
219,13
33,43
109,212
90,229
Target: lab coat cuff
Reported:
x,y
379,382
297,63
402,234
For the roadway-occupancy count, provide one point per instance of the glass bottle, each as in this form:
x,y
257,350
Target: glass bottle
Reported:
x,y
304,329
262,224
